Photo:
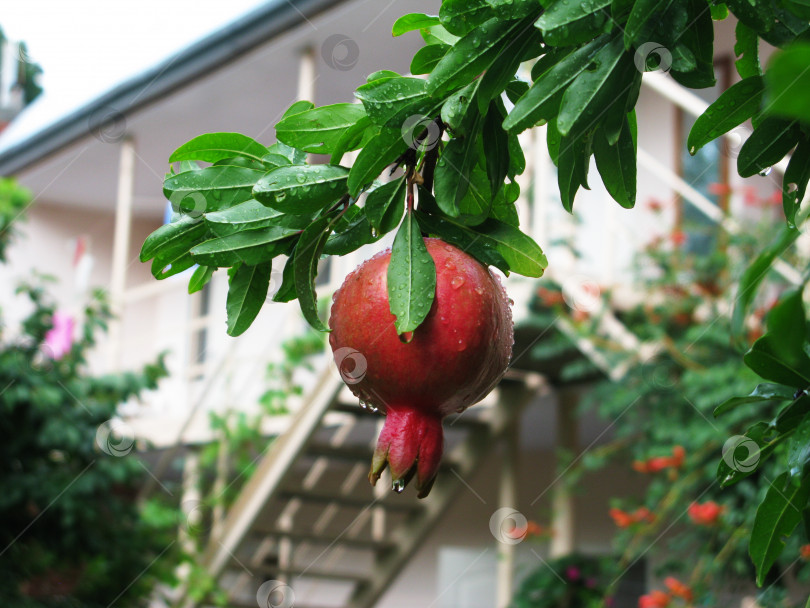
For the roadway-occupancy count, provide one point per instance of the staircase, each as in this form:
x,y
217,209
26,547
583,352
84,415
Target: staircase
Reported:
x,y
309,529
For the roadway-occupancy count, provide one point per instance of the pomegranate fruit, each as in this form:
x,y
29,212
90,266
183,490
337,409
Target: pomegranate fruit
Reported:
x,y
451,361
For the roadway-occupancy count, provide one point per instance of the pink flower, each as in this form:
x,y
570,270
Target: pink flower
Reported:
x,y
59,339
572,573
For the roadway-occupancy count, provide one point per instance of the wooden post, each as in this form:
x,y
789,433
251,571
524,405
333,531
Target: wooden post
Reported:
x,y
507,498
562,500
120,261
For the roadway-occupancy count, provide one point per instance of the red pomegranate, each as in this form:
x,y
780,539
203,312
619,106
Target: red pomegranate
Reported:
x,y
453,359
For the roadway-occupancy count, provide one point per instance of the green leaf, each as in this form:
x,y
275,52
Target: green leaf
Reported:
x,y
463,237
355,236
735,105
779,355
572,172
763,392
520,253
438,34
411,277
452,177
389,101
307,253
526,44
567,23
476,205
617,165
320,129
171,262
503,207
744,456
426,58
553,142
210,189
250,247
539,101
293,155
212,147
788,83
643,11
286,291
384,206
353,138
241,161
496,146
698,36
799,449
297,107
246,294
585,88
245,216
746,49
413,21
272,160
470,56
794,182
301,190
200,277
755,274
767,145
182,234
458,112
776,519
462,16
381,150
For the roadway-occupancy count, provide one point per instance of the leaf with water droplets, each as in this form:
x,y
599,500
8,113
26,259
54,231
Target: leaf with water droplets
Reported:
x,y
384,206
411,277
212,147
380,151
307,252
200,278
767,145
794,182
392,100
413,21
247,291
567,23
452,177
617,164
210,189
735,105
301,190
776,519
250,247
319,130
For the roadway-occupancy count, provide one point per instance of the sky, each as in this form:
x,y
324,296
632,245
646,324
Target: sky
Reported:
x,y
86,46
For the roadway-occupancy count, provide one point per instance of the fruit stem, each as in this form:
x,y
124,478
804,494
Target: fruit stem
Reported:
x,y
410,190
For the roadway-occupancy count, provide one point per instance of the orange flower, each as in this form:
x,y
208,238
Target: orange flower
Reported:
x,y
549,297
719,189
678,237
678,589
643,514
706,514
654,599
804,551
622,519
659,463
655,205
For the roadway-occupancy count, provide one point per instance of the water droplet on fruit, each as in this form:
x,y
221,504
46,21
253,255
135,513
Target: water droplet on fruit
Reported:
x,y
448,248
398,485
449,265
461,345
511,302
457,282
444,320
479,290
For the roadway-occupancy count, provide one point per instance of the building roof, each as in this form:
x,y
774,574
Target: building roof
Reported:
x,y
51,133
